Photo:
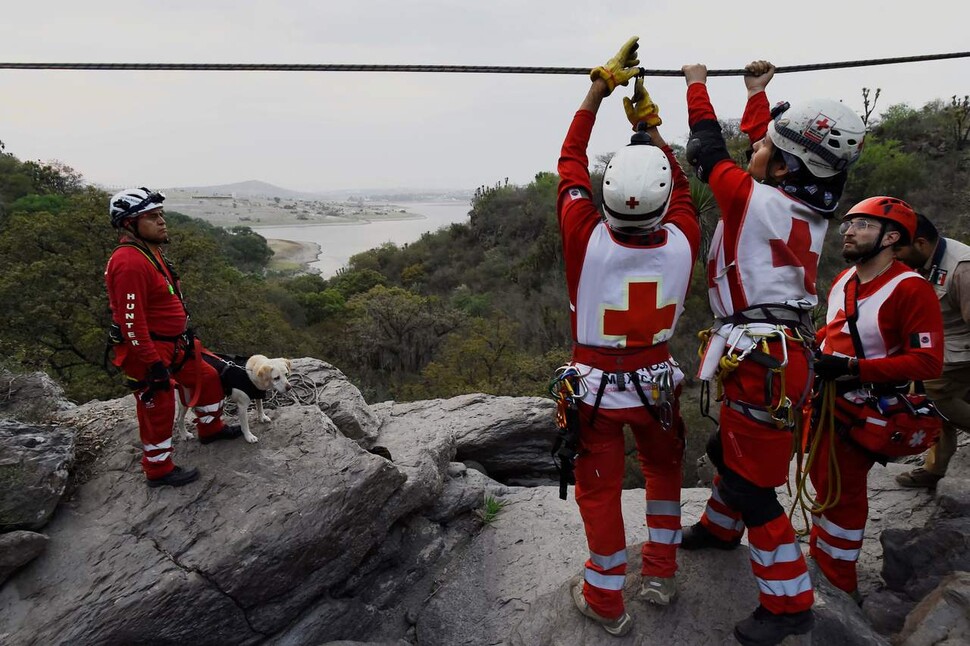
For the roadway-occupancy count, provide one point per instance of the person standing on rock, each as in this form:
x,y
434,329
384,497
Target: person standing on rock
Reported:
x,y
152,343
627,273
946,264
761,282
883,330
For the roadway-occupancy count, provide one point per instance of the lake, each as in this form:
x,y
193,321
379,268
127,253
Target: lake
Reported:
x,y
338,242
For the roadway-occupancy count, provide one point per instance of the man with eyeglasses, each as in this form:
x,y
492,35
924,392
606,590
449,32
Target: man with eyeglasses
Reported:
x,y
883,329
945,263
152,343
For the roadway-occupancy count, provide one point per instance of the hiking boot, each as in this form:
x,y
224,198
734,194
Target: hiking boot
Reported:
x,y
657,589
175,478
918,478
697,537
617,627
225,433
762,628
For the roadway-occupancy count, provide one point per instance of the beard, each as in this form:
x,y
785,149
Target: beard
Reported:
x,y
856,251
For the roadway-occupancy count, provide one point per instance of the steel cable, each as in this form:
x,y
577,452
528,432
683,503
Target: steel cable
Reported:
x,y
460,69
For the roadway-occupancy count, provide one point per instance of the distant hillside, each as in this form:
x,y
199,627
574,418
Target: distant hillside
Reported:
x,y
251,188
258,189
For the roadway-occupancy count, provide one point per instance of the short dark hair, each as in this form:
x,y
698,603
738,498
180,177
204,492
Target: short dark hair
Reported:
x,y
926,229
898,228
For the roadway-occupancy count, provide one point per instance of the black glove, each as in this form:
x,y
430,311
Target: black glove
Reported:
x,y
830,367
158,377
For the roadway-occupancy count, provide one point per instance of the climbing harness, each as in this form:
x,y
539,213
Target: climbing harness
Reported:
x,y
726,345
567,389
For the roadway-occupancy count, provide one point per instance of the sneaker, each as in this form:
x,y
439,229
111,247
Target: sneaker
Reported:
x,y
617,627
764,628
175,478
657,589
918,478
226,433
697,537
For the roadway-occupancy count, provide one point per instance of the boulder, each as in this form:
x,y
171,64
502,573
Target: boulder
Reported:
x,y
916,560
30,397
17,549
511,437
266,533
34,463
943,617
340,400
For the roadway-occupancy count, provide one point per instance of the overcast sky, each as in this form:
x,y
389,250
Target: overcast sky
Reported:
x,y
330,130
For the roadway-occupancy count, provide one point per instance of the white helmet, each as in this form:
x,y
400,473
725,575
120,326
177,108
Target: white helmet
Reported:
x,y
824,134
132,202
636,187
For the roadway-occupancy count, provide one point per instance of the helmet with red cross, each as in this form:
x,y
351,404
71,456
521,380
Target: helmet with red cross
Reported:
x,y
636,188
823,134
891,209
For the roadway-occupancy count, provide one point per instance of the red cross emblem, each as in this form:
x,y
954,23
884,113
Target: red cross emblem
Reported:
x,y
797,252
644,319
823,123
633,203
837,336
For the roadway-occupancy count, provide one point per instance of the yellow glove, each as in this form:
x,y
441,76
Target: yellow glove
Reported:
x,y
621,68
641,107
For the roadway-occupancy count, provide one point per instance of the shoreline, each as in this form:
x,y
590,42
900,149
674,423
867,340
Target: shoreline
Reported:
x,y
350,223
289,255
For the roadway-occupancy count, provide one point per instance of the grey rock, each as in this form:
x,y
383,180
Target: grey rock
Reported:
x,y
17,549
886,611
340,400
264,535
942,618
463,493
838,619
953,494
510,437
34,463
30,397
915,560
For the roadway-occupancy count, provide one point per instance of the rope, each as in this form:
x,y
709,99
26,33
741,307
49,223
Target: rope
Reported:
x,y
825,430
302,391
438,69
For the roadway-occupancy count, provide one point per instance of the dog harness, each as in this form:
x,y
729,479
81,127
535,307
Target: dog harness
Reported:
x,y
233,376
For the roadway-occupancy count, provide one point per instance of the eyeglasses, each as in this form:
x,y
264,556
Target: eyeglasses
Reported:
x,y
858,225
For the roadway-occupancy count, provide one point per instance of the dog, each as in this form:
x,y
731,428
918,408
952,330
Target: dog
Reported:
x,y
243,386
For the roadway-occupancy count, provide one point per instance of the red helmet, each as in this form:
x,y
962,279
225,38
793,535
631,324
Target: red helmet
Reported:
x,y
893,209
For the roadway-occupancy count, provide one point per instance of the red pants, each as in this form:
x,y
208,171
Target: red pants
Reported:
x,y
157,415
837,532
752,458
599,484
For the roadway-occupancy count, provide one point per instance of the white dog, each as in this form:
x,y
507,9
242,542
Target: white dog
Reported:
x,y
243,386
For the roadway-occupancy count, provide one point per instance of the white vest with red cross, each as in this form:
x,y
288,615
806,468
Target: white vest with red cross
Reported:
x,y
631,297
838,338
766,253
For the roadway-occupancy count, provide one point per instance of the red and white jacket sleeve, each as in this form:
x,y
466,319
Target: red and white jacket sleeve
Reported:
x,y
914,312
129,278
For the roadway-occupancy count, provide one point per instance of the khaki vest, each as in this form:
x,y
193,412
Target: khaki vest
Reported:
x,y
956,332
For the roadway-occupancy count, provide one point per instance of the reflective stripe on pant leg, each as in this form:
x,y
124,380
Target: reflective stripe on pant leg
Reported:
x,y
719,518
209,409
660,453
779,567
155,419
837,532
202,413
599,486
